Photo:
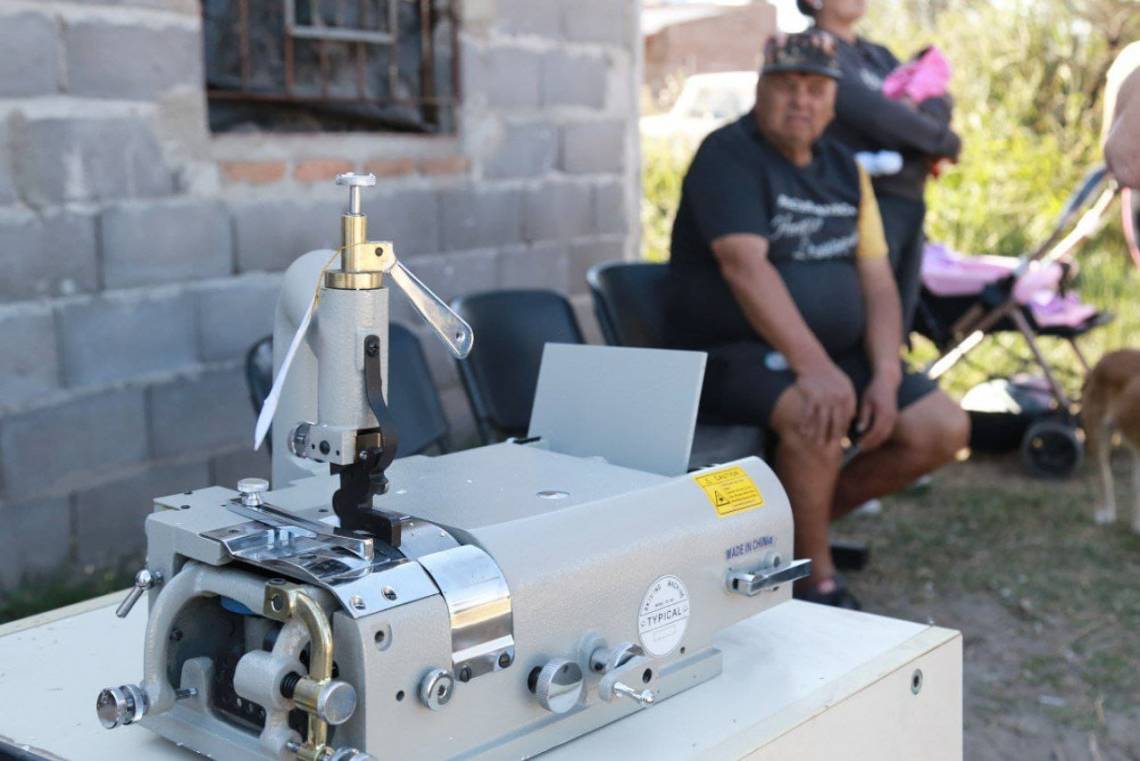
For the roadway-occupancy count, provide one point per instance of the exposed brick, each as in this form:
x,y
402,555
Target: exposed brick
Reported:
x,y
35,542
473,217
130,62
30,63
584,255
235,314
200,415
31,363
537,17
526,150
252,172
271,234
110,519
46,255
320,170
557,211
545,265
602,21
573,80
409,217
610,208
455,164
60,448
109,339
390,167
593,147
165,242
230,467
508,77
59,159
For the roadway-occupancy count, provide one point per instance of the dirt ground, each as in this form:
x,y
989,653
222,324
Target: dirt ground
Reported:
x,y
1048,603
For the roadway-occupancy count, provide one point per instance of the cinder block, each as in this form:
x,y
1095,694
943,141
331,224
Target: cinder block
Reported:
x,y
557,211
165,242
230,467
50,254
54,449
130,62
593,147
110,519
573,80
441,363
409,217
200,415
585,255
116,338
473,217
545,265
30,366
460,419
59,159
7,182
36,540
30,63
601,21
457,274
530,17
610,208
233,315
526,150
510,77
270,234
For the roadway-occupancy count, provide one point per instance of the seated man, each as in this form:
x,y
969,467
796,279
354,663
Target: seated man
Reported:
x,y
780,272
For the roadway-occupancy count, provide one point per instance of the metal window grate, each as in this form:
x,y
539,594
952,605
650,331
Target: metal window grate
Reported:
x,y
305,65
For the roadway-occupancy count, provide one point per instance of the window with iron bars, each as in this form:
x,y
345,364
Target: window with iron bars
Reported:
x,y
331,65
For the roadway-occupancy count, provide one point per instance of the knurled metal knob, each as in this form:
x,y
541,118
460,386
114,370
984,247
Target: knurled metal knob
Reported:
x,y
559,685
352,179
251,490
119,706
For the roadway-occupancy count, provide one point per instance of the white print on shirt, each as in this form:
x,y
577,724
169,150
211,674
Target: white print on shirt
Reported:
x,y
871,79
805,220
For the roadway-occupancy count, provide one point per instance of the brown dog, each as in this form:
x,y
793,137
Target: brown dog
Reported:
x,y
1112,401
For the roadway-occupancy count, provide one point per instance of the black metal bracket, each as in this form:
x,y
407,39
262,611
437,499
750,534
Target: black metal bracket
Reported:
x,y
365,478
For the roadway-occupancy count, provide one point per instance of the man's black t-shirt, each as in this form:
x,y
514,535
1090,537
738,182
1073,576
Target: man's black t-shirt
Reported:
x,y
817,219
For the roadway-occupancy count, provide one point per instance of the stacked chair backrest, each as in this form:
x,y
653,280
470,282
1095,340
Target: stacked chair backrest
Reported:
x,y
501,373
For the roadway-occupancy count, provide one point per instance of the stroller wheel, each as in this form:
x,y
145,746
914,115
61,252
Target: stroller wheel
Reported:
x,y
1051,449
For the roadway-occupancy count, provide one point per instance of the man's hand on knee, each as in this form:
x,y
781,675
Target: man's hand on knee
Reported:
x,y
828,402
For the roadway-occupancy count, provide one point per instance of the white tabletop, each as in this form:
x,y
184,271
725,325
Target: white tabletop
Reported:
x,y
780,668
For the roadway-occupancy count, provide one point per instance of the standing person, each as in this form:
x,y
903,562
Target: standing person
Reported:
x,y
867,120
1122,118
779,271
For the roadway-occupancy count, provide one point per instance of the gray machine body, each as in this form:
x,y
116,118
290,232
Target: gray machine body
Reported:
x,y
518,561
578,567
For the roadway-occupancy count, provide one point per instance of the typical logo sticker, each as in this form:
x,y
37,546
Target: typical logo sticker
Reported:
x,y
663,616
730,490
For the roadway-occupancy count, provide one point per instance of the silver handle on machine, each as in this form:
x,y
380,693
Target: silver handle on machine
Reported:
x,y
450,327
144,580
752,583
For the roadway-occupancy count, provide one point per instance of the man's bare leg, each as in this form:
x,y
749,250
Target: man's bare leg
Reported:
x,y
927,435
808,473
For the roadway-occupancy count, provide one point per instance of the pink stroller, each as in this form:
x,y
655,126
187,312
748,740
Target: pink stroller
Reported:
x,y
965,298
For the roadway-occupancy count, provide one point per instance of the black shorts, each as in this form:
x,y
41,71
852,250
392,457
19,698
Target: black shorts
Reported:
x,y
743,382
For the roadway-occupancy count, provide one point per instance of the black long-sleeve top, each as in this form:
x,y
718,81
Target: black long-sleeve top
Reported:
x,y
867,120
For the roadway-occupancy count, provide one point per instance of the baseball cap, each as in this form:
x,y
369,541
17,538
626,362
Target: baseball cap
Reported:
x,y
810,52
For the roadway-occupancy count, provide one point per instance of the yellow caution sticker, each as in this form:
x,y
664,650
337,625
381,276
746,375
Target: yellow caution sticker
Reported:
x,y
730,491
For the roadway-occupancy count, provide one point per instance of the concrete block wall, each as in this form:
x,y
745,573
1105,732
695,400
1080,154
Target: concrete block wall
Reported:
x,y
141,255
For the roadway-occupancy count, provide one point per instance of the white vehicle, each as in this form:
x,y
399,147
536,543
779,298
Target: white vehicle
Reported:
x,y
706,102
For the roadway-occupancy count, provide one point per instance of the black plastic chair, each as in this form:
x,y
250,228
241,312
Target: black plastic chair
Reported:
x,y
629,300
412,396
501,373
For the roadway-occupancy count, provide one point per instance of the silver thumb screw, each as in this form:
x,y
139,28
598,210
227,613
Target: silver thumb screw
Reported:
x,y
641,697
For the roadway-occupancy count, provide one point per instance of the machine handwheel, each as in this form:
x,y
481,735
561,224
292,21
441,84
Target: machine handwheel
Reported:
x,y
1052,449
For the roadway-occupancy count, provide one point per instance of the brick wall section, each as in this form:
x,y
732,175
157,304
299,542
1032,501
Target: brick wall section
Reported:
x,y
142,255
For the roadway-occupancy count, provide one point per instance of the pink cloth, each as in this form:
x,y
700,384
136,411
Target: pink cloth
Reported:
x,y
927,76
949,273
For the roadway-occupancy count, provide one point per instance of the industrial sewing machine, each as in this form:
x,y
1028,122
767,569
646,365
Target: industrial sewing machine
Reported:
x,y
491,603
